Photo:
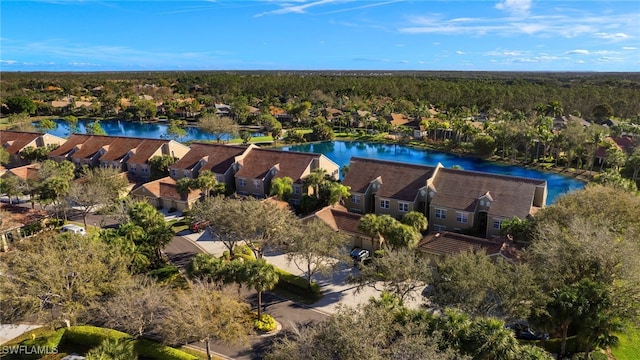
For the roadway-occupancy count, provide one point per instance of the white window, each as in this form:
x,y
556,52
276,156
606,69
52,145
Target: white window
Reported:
x,y
497,224
256,184
296,189
462,217
384,204
242,182
403,207
441,214
355,199
439,228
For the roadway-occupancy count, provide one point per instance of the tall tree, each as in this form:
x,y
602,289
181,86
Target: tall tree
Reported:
x,y
100,186
282,187
261,276
206,182
218,126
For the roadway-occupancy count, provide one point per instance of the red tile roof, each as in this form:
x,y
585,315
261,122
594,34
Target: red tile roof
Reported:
x,y
120,147
26,172
145,150
460,189
70,144
448,243
339,219
14,141
165,188
218,157
90,147
399,180
291,164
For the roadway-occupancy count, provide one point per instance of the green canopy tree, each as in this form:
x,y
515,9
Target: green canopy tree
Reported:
x,y
261,276
218,126
282,187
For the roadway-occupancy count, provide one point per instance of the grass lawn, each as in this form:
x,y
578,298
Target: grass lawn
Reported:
x,y
256,139
629,346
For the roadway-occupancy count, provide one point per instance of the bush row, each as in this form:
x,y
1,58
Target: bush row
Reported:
x,y
297,285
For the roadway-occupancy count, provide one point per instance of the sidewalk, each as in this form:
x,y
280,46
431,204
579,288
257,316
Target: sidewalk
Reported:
x,y
336,291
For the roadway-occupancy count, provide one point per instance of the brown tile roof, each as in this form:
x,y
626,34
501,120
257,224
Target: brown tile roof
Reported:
x,y
120,147
338,218
219,157
460,189
399,180
398,119
26,172
145,150
67,146
16,216
258,162
14,141
90,147
282,205
165,188
448,243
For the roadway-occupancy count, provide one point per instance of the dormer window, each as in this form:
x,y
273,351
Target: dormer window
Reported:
x,y
481,202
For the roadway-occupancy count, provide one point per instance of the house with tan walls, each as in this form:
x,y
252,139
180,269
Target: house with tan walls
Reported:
x,y
477,203
341,220
163,194
438,245
220,159
15,142
259,167
386,187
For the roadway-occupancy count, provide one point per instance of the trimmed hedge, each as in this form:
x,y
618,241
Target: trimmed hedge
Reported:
x,y
43,339
297,285
93,336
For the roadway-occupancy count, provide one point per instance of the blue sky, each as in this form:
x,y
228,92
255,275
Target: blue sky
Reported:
x,y
504,35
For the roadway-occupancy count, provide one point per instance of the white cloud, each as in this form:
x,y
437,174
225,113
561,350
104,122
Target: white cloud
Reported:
x,y
580,62
460,52
629,48
8,62
516,7
607,36
288,8
404,61
579,52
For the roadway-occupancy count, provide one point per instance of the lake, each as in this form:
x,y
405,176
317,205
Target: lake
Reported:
x,y
341,151
134,129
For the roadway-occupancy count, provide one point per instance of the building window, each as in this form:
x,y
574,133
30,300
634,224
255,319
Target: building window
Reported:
x,y
355,199
403,207
497,224
220,178
384,204
462,217
439,228
256,184
174,173
481,202
242,182
296,189
441,214
295,202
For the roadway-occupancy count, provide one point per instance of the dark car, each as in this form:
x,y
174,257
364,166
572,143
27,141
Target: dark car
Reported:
x,y
523,331
359,255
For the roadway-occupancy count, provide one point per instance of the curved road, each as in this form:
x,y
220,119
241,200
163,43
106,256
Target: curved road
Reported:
x,y
286,312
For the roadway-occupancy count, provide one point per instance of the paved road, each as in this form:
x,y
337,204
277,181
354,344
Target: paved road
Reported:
x,y
286,312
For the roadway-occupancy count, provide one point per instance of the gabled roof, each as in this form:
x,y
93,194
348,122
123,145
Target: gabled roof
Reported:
x,y
70,144
25,172
90,147
218,157
460,189
447,243
14,141
338,218
398,119
145,150
120,147
165,188
399,180
291,164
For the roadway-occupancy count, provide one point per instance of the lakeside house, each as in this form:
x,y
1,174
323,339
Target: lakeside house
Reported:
x,y
14,142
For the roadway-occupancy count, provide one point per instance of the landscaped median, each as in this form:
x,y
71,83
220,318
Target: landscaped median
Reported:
x,y
80,339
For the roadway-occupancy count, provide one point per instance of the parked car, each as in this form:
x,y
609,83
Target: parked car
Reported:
x,y
359,255
198,226
523,331
70,228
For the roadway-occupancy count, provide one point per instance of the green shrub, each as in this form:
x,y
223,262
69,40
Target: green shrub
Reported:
x,y
93,336
297,285
37,340
244,252
165,274
266,323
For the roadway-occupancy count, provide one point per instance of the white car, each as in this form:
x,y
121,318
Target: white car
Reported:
x,y
73,229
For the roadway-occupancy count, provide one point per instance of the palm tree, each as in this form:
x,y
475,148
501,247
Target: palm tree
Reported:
x,y
206,182
261,276
315,178
370,225
184,186
113,349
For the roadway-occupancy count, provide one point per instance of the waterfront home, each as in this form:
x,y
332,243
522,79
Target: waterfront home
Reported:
x,y
477,203
221,160
15,142
259,167
386,187
124,153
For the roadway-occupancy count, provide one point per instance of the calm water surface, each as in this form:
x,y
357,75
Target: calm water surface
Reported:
x,y
341,151
134,129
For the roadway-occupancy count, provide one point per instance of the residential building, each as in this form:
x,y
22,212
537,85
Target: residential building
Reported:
x,y
15,142
220,159
340,219
163,194
477,203
438,245
386,187
259,167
